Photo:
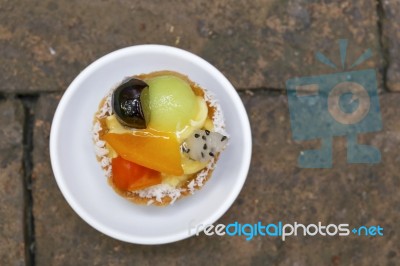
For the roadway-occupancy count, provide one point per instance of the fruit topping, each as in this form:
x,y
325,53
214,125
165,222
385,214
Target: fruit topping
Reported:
x,y
203,145
155,150
130,103
128,176
197,122
190,166
114,126
172,103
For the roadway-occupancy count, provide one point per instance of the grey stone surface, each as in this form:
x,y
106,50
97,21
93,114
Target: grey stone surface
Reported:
x,y
11,183
391,40
276,190
346,193
256,44
264,44
261,43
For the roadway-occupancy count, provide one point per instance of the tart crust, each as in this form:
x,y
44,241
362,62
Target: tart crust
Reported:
x,y
162,194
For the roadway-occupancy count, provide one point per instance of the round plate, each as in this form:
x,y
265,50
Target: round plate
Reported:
x,y
82,181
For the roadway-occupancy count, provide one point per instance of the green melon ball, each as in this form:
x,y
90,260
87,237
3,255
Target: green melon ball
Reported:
x,y
172,103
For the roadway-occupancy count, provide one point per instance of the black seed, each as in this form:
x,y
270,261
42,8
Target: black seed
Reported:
x,y
211,154
185,149
196,135
204,137
202,155
223,138
207,132
205,147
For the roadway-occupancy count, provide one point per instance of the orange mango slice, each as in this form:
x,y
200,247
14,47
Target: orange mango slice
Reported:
x,y
155,150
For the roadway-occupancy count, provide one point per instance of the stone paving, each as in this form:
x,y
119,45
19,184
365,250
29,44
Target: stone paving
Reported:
x,y
257,45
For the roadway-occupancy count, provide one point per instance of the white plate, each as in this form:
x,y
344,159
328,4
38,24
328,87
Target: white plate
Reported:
x,y
82,181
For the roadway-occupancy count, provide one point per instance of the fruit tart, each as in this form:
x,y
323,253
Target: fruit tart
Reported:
x,y
158,137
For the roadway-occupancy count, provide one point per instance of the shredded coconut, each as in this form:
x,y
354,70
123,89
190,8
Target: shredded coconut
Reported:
x,y
203,174
100,149
158,192
191,186
218,117
106,109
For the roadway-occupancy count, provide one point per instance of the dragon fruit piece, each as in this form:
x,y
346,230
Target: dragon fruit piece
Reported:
x,y
203,145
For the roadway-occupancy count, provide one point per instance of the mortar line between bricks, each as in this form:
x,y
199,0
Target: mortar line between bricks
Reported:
x,y
382,42
261,89
32,94
255,91
29,230
279,91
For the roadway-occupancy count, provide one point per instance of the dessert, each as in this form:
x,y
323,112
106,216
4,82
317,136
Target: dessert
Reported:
x,y
158,137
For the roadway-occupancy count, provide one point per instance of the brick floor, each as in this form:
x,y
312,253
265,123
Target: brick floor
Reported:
x,y
11,184
391,38
257,45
